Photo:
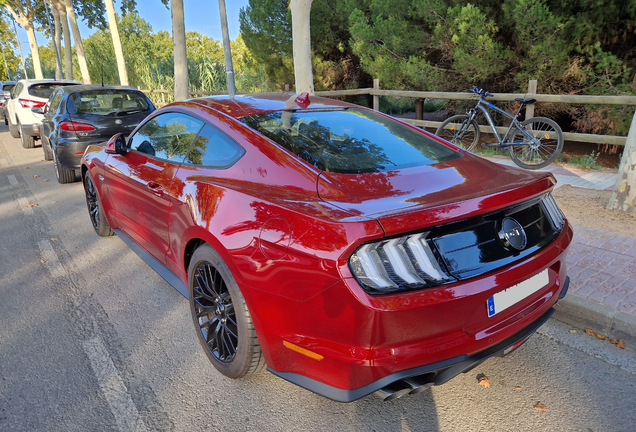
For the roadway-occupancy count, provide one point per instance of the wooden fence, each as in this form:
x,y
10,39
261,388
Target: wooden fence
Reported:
x,y
420,96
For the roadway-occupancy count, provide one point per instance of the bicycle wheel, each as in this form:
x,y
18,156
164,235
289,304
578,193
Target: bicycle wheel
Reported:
x,y
458,130
544,146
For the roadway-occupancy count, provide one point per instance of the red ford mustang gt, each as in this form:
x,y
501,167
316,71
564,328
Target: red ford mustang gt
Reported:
x,y
347,251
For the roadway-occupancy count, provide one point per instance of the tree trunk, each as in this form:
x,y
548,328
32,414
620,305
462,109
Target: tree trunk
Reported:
x,y
624,196
301,35
79,47
35,52
68,48
181,90
119,53
57,37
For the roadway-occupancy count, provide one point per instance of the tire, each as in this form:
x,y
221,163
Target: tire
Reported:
x,y
451,130
48,153
28,141
216,300
95,209
545,150
64,175
14,130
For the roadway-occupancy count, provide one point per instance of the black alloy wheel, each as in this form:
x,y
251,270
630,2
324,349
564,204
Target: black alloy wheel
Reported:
x,y
95,211
215,312
220,315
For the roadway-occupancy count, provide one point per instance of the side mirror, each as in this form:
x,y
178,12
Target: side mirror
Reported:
x,y
117,145
38,110
120,145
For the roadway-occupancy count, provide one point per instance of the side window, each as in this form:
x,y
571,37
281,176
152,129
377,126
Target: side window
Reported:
x,y
16,91
213,148
166,136
55,102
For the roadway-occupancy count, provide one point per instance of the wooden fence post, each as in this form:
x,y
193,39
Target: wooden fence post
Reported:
x,y
532,90
376,98
419,109
163,96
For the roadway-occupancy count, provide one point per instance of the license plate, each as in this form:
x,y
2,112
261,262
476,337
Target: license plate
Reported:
x,y
508,297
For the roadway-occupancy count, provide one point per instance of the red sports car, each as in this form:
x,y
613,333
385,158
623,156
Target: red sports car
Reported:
x,y
345,250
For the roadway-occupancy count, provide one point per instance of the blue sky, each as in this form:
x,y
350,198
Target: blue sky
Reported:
x,y
200,15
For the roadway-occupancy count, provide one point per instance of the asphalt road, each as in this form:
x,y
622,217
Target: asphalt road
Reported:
x,y
91,339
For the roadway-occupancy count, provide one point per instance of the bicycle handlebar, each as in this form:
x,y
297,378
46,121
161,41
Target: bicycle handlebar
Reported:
x,y
481,92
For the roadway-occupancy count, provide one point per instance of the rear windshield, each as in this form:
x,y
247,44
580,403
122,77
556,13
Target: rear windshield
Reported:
x,y
45,90
350,141
8,87
108,102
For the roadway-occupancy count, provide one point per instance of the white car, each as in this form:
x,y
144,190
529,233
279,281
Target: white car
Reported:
x,y
27,94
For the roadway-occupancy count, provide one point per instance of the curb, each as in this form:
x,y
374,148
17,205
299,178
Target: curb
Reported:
x,y
585,313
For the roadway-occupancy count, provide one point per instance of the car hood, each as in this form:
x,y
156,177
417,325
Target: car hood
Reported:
x,y
420,197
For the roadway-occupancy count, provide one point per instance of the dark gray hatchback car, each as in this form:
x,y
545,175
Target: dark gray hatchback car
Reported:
x,y
80,115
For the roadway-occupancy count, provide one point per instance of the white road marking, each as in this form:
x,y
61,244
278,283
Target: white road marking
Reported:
x,y
12,179
113,387
51,262
24,205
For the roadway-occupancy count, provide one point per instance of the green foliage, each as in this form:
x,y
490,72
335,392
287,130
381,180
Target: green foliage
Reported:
x,y
9,47
587,161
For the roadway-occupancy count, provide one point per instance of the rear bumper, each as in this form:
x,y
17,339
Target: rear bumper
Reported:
x,y
30,129
423,376
69,153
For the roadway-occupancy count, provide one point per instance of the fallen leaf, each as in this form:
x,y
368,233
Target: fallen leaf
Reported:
x,y
600,336
517,388
32,205
483,381
54,202
26,167
540,407
90,295
35,176
46,179
42,261
621,344
54,239
613,341
590,332
572,331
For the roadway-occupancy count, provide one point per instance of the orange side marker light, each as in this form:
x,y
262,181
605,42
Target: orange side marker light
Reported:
x,y
303,351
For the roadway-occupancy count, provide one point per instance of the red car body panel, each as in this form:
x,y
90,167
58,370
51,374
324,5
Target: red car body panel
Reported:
x,y
286,230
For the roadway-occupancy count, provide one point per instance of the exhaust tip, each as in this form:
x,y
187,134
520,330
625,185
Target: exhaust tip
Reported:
x,y
419,383
394,390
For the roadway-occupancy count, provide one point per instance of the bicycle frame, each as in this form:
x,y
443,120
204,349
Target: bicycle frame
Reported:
x,y
482,106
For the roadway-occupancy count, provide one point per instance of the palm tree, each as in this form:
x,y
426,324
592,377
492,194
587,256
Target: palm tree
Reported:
x,y
181,90
304,77
24,13
119,52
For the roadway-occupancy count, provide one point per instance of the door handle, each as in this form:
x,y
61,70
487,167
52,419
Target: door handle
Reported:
x,y
155,188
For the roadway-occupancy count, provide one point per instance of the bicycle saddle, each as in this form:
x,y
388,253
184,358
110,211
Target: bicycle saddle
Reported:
x,y
526,101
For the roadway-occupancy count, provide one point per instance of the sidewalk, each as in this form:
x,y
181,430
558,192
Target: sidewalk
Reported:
x,y
601,266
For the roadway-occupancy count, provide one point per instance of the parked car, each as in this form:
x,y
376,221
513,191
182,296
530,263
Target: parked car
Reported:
x,y
348,251
80,115
5,94
27,94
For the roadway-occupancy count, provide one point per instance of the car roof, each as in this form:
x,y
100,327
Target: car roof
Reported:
x,y
250,104
87,87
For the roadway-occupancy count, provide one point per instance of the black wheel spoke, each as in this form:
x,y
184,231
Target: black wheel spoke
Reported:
x,y
214,311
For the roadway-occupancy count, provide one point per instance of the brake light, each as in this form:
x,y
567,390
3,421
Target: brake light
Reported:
x,y
76,126
28,103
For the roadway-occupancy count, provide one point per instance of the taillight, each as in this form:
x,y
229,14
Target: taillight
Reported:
x,y
28,103
76,126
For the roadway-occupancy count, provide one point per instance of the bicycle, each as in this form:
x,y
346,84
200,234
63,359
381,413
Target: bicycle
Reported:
x,y
533,143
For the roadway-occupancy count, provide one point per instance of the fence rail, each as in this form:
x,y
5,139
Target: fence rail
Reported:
x,y
376,92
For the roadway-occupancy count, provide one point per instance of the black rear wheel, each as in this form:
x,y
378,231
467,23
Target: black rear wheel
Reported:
x,y
64,175
14,130
28,141
460,131
220,315
543,142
